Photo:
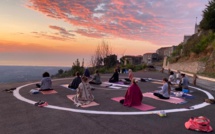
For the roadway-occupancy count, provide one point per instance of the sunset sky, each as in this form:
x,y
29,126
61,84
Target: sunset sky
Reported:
x,y
56,32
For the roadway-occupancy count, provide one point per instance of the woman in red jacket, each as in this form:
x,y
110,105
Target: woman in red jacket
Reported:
x,y
133,96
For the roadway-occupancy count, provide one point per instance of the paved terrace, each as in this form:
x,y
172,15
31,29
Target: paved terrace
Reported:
x,y
19,117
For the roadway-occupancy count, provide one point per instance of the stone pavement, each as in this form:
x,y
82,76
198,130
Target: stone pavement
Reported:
x,y
19,117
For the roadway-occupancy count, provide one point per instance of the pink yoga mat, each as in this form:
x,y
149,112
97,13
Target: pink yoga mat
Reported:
x,y
84,106
174,100
142,107
49,92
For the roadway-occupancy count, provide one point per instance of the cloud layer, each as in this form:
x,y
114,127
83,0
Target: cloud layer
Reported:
x,y
157,21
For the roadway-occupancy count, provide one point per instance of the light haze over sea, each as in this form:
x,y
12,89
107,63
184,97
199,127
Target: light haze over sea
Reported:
x,y
11,74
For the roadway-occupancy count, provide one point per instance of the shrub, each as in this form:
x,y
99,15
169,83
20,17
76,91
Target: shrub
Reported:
x,y
203,43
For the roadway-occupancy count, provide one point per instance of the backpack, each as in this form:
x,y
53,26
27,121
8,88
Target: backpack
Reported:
x,y
200,123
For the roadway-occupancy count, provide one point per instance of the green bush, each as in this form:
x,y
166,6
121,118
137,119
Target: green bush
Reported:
x,y
177,50
203,43
76,69
104,70
135,67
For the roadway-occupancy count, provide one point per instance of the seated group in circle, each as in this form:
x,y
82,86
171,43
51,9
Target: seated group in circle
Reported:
x,y
133,96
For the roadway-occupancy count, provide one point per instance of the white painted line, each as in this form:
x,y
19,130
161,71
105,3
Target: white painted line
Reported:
x,y
198,106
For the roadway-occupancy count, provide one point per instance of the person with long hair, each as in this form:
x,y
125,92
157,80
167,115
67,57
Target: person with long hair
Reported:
x,y
83,95
164,93
133,96
130,75
46,82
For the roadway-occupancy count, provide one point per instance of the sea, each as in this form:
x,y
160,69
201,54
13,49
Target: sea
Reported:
x,y
13,74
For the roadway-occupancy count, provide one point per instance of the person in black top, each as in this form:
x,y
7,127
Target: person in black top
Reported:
x,y
76,81
115,77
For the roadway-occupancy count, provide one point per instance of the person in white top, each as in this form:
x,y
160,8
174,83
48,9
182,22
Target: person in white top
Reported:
x,y
171,77
164,93
178,75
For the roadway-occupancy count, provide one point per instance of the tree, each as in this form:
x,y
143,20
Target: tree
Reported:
x,y
208,21
77,68
82,63
76,63
60,71
110,61
102,51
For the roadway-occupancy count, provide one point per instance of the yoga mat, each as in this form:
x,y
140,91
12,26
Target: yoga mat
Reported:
x,y
172,88
49,92
136,78
116,84
66,86
174,83
157,82
110,86
114,87
185,95
83,106
174,100
188,96
105,85
142,107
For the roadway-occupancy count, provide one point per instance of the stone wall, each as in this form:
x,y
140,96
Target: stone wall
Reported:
x,y
192,67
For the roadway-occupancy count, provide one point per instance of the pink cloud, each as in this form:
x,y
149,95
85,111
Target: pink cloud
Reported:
x,y
130,19
50,36
61,31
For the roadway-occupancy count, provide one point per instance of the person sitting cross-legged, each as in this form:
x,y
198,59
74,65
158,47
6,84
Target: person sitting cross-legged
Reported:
x,y
164,93
115,77
76,81
96,79
184,83
130,76
83,95
133,96
46,83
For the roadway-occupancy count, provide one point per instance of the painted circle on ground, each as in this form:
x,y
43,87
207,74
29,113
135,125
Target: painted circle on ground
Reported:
x,y
194,107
